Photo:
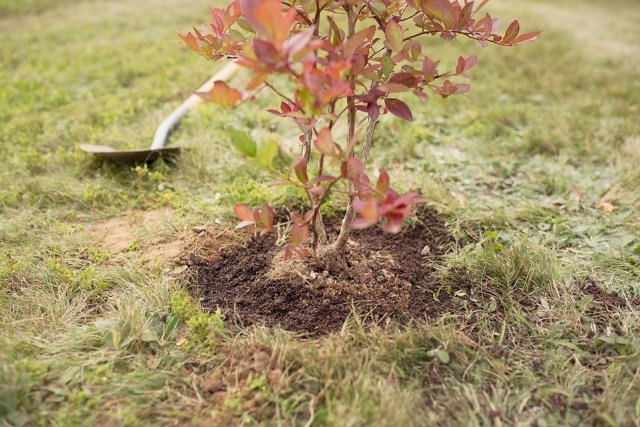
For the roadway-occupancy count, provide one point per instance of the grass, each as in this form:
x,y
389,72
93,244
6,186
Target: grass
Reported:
x,y
520,169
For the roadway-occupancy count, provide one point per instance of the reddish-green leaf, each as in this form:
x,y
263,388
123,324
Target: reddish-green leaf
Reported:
x,y
465,64
465,15
394,36
299,234
190,41
265,218
367,214
392,87
512,32
383,183
398,108
300,168
528,37
267,18
243,213
357,40
222,95
441,10
324,143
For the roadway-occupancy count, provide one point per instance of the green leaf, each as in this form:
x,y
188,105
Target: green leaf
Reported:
x,y
236,35
387,65
149,335
267,153
171,327
243,142
443,356
306,99
242,23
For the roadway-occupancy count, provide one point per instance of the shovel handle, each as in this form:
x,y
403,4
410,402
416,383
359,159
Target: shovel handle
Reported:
x,y
160,138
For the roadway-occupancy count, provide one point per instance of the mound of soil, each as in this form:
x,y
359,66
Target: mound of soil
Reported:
x,y
391,277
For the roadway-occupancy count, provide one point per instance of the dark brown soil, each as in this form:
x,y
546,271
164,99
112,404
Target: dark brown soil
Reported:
x,y
391,277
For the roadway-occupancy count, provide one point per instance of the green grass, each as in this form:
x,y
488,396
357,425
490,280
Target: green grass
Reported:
x,y
518,168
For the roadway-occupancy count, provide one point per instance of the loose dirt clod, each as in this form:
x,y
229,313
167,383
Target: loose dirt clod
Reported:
x,y
119,236
391,277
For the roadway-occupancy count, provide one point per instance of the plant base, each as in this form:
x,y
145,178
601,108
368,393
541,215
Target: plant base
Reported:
x,y
388,277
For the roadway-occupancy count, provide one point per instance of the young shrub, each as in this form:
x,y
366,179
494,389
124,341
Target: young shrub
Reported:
x,y
347,61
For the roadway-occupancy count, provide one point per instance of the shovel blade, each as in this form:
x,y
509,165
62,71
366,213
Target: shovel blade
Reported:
x,y
107,153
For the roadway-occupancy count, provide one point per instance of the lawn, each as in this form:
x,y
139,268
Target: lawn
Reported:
x,y
536,173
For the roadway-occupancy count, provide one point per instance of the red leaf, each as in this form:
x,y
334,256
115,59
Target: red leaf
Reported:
x,y
398,108
354,167
405,79
429,68
383,183
256,81
465,15
296,46
393,224
393,36
267,18
265,217
299,166
190,41
288,253
357,40
461,65
302,252
368,214
222,95
324,143
413,49
244,213
374,111
528,37
442,10
318,191
393,87
299,234
266,52
512,32
465,64
471,62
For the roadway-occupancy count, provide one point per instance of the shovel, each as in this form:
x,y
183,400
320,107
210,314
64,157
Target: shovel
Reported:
x,y
157,147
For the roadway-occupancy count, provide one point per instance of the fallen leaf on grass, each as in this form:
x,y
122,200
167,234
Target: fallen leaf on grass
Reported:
x,y
605,206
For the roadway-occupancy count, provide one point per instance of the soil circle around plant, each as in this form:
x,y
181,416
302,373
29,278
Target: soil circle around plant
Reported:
x,y
391,277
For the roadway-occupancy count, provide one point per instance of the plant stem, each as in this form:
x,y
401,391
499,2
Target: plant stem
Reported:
x,y
280,94
306,144
317,226
345,228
